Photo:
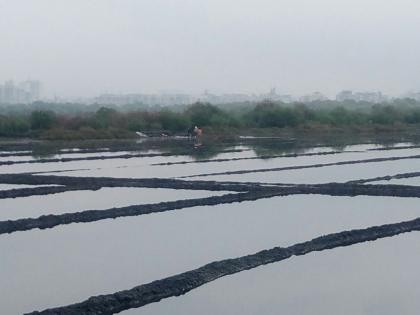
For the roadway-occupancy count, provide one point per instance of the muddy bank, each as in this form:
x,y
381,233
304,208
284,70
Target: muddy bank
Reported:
x,y
12,154
395,148
50,221
133,151
182,283
95,182
288,168
261,157
40,191
78,151
69,183
103,157
352,190
386,178
87,158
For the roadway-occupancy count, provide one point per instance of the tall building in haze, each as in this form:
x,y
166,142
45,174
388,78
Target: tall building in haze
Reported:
x,y
22,93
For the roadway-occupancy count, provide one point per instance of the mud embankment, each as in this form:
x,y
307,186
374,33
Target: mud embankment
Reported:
x,y
298,167
31,153
39,191
385,178
261,157
15,154
69,183
93,183
405,147
182,283
50,221
99,157
87,158
352,190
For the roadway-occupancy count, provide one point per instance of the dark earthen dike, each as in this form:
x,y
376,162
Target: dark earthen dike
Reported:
x,y
50,221
245,192
93,183
182,283
299,167
100,157
261,157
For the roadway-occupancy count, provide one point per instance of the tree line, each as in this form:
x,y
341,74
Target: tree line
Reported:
x,y
109,122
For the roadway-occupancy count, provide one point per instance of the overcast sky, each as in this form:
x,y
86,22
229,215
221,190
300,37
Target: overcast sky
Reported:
x,y
87,47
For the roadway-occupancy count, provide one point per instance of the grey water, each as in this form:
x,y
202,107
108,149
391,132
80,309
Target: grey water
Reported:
x,y
69,263
105,198
375,278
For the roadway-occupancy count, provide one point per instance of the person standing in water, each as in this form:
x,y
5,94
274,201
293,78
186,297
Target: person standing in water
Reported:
x,y
198,131
194,132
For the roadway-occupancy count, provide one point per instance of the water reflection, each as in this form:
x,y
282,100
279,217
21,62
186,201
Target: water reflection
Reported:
x,y
67,264
209,147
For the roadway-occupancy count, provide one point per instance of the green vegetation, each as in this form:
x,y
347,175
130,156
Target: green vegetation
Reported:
x,y
53,121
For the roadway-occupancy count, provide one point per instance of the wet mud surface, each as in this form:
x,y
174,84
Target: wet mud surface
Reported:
x,y
134,153
386,178
50,221
319,165
99,182
261,157
403,147
88,158
247,192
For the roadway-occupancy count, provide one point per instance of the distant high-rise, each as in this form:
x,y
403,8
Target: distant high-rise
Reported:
x,y
345,96
313,97
372,97
23,93
273,92
33,88
9,93
415,95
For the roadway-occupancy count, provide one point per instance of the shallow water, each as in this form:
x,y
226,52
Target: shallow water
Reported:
x,y
69,263
336,173
105,198
142,167
376,278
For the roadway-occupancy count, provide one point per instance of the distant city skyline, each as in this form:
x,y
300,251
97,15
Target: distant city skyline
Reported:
x,y
86,48
49,93
29,91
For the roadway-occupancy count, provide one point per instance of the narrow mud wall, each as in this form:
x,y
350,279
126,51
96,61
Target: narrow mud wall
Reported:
x,y
87,158
261,157
50,221
99,157
29,179
387,178
405,147
39,191
288,168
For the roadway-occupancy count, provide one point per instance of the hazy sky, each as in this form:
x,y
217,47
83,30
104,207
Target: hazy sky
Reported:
x,y
86,47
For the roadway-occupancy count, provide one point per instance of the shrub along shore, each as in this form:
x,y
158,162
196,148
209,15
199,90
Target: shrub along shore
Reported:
x,y
71,121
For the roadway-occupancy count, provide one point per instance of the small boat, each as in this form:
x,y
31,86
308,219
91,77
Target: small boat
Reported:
x,y
141,134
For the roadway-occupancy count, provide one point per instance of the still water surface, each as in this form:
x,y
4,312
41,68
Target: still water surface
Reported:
x,y
67,264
